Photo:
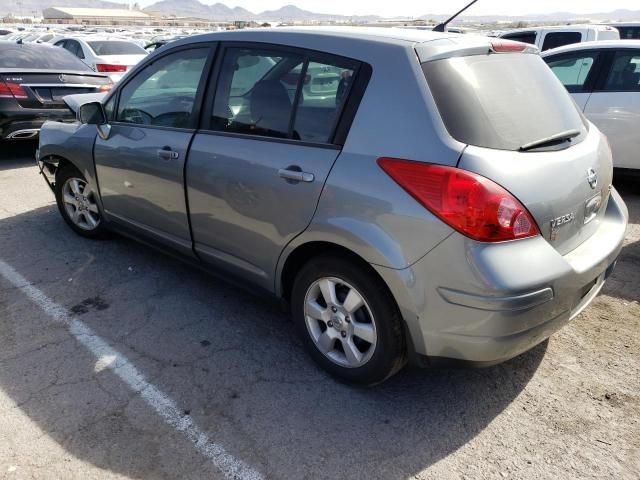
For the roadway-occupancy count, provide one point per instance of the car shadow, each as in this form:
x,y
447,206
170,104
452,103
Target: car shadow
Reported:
x,y
17,154
229,358
624,281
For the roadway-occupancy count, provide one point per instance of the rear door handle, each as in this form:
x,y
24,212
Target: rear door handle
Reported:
x,y
168,154
295,174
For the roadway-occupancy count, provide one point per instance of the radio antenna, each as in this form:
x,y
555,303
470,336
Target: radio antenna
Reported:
x,y
441,27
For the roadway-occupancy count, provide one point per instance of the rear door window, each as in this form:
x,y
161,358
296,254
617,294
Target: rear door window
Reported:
x,y
624,75
281,94
559,39
325,88
525,37
574,69
501,101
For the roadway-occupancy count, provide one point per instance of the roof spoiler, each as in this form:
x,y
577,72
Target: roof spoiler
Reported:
x,y
441,27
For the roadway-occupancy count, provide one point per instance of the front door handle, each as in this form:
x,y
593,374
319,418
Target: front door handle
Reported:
x,y
167,154
295,174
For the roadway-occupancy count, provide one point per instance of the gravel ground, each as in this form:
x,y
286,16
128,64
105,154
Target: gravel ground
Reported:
x,y
568,409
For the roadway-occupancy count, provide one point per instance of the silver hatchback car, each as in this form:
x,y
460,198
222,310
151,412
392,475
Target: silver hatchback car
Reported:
x,y
411,195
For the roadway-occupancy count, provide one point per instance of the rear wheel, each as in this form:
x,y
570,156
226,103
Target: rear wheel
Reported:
x,y
78,203
348,320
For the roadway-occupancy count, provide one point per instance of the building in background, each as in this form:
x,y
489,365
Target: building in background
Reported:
x,y
95,16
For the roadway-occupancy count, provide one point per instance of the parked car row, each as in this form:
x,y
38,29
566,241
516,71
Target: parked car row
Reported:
x,y
410,195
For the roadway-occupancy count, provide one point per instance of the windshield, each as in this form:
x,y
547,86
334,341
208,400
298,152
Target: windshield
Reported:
x,y
501,101
39,56
116,48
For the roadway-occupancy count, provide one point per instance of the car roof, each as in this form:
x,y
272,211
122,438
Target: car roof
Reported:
x,y
624,24
598,45
559,27
372,34
24,46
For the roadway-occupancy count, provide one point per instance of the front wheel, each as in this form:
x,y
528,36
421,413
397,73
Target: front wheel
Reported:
x,y
348,320
78,203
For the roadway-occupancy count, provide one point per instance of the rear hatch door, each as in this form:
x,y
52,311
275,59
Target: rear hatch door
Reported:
x,y
524,132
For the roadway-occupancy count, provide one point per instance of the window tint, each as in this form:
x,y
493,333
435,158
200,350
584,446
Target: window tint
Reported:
x,y
258,92
325,89
525,37
163,93
625,72
75,48
109,108
491,100
559,39
255,92
39,57
112,47
573,69
629,33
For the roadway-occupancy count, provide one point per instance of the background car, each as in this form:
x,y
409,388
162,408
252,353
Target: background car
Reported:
x,y
161,42
113,57
546,38
33,80
628,30
604,80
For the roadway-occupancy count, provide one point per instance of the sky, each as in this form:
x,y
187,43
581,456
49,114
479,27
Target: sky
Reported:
x,y
410,8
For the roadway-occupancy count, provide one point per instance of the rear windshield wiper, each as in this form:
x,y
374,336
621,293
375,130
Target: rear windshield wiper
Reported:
x,y
552,140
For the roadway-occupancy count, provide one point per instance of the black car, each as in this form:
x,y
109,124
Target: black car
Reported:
x,y
33,80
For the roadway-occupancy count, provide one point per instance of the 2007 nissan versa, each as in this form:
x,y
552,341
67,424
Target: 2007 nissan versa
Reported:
x,y
412,195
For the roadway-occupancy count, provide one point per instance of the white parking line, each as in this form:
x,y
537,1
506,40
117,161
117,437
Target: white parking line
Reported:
x,y
129,374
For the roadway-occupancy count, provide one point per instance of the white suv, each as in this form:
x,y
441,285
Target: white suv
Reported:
x,y
546,38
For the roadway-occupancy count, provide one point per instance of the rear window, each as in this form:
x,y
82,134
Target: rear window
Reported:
x,y
116,48
524,37
501,101
560,39
41,57
629,33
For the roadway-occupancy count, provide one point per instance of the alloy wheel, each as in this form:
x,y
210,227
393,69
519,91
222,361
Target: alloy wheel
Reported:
x,y
80,204
340,322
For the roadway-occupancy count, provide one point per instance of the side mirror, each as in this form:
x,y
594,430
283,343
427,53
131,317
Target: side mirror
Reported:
x,y
92,114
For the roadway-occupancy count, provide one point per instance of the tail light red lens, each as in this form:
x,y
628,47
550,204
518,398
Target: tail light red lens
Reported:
x,y
12,90
469,203
105,67
508,46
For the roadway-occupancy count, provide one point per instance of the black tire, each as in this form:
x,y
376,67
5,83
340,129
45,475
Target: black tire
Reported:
x,y
389,354
62,176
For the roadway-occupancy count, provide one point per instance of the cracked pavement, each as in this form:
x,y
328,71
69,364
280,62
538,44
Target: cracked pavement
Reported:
x,y
570,408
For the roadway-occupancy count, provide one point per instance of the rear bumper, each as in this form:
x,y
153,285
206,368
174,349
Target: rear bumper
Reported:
x,y
486,303
12,124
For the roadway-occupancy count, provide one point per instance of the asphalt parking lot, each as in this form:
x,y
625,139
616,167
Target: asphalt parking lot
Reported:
x,y
224,388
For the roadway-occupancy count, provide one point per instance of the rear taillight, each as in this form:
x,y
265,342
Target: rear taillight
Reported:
x,y
106,67
471,204
106,88
12,90
508,46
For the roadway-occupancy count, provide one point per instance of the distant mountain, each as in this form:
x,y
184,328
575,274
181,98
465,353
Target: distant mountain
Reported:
x,y
289,13
219,11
